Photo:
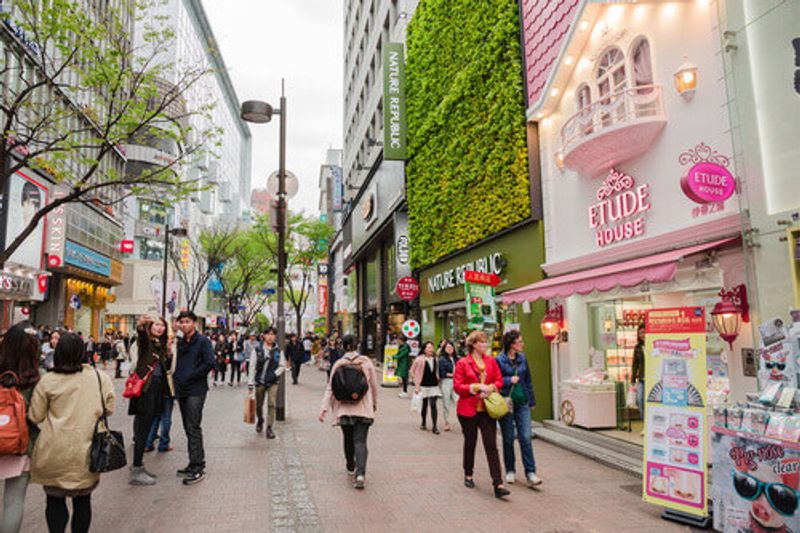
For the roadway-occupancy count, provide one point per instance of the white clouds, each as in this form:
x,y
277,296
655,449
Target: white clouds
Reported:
x,y
263,41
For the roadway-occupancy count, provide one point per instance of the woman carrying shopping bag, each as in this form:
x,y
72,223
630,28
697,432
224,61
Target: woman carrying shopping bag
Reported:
x,y
426,385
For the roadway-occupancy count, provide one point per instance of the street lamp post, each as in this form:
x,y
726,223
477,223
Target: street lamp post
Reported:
x,y
259,112
178,232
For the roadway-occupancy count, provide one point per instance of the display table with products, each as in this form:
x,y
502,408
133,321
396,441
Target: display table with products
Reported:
x,y
589,400
756,444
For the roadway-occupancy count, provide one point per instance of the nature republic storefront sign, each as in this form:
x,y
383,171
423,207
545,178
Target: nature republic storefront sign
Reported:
x,y
454,277
394,102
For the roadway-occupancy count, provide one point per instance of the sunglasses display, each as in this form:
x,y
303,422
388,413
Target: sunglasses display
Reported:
x,y
781,497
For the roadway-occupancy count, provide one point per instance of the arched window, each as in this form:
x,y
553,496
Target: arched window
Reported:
x,y
642,65
611,79
583,96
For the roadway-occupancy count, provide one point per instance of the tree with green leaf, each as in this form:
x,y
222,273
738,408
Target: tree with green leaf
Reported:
x,y
213,247
248,270
76,89
307,241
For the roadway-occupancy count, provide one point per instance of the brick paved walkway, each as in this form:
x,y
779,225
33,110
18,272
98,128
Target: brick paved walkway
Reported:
x,y
298,481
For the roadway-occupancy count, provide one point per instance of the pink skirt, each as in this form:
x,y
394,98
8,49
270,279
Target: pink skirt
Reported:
x,y
14,465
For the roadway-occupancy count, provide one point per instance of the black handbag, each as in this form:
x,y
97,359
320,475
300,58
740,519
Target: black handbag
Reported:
x,y
108,447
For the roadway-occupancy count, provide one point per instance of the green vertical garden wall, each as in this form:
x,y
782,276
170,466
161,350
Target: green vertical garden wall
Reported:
x,y
467,173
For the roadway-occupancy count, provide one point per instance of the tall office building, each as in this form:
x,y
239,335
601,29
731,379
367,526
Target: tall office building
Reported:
x,y
374,211
225,170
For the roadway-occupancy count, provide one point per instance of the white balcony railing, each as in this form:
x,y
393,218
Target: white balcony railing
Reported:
x,y
622,110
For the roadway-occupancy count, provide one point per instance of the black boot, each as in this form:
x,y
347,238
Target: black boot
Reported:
x,y
259,425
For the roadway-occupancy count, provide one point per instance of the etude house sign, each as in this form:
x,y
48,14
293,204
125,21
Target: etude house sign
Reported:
x,y
454,277
619,213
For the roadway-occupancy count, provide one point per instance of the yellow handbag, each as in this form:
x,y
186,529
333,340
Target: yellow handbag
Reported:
x,y
496,405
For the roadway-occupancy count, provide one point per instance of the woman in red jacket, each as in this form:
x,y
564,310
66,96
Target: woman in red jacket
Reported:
x,y
476,376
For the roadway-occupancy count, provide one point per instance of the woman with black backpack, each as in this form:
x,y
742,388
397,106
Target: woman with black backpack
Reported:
x,y
352,396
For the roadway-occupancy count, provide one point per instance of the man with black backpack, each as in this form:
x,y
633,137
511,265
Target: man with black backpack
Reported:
x,y
352,396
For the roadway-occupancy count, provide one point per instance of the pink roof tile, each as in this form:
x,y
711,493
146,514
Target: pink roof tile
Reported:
x,y
545,23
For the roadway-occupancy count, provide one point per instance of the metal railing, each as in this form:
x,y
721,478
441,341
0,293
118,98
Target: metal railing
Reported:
x,y
623,107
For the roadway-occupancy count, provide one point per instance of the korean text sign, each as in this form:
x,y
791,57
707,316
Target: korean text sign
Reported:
x,y
675,466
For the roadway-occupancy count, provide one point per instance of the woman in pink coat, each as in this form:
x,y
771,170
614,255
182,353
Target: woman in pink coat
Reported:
x,y
355,417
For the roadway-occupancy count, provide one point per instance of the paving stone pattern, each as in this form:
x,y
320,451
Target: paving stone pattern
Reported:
x,y
298,481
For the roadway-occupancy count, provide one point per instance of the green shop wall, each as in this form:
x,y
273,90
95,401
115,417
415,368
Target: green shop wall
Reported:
x,y
523,251
467,172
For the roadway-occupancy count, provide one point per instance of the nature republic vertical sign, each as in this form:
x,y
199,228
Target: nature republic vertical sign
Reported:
x,y
394,102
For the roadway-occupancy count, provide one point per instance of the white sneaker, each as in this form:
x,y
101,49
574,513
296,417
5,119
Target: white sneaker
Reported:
x,y
403,395
359,482
511,477
534,480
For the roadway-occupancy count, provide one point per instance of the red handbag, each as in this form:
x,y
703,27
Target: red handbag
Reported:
x,y
134,384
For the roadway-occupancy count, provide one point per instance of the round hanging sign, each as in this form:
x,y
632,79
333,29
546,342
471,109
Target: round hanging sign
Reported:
x,y
407,288
708,183
411,329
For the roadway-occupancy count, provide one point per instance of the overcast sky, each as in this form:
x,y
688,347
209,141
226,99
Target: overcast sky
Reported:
x,y
263,41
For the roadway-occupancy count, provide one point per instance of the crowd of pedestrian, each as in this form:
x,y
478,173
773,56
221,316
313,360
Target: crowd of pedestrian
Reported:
x,y
467,379
52,374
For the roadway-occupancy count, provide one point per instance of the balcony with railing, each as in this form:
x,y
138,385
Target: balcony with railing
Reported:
x,y
619,127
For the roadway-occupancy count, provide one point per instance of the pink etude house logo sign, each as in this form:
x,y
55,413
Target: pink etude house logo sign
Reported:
x,y
708,181
619,213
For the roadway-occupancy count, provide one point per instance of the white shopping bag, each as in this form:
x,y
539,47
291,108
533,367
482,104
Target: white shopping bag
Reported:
x,y
416,402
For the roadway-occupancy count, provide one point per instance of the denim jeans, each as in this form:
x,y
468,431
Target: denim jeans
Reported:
x,y
640,397
192,414
165,421
520,420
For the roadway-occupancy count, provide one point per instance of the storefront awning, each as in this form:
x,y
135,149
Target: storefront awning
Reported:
x,y
657,268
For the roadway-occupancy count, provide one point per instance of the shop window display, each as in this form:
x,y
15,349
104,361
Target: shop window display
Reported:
x,y
613,335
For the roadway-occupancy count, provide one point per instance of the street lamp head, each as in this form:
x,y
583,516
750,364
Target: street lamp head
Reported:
x,y
256,111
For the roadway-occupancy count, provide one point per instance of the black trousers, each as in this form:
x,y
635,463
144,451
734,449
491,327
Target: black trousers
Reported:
x,y
192,414
470,425
220,370
236,369
405,384
141,429
355,447
296,369
57,514
434,415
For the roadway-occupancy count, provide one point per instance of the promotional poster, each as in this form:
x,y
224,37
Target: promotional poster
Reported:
x,y
755,486
480,301
389,366
25,197
675,471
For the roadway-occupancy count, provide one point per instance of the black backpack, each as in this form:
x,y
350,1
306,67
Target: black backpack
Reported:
x,y
348,382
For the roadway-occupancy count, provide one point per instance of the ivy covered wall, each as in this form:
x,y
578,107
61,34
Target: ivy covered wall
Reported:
x,y
467,173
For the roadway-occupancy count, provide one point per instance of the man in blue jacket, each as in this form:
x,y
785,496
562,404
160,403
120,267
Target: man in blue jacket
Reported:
x,y
195,361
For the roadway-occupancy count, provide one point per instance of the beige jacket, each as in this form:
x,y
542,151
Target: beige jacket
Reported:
x,y
66,407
